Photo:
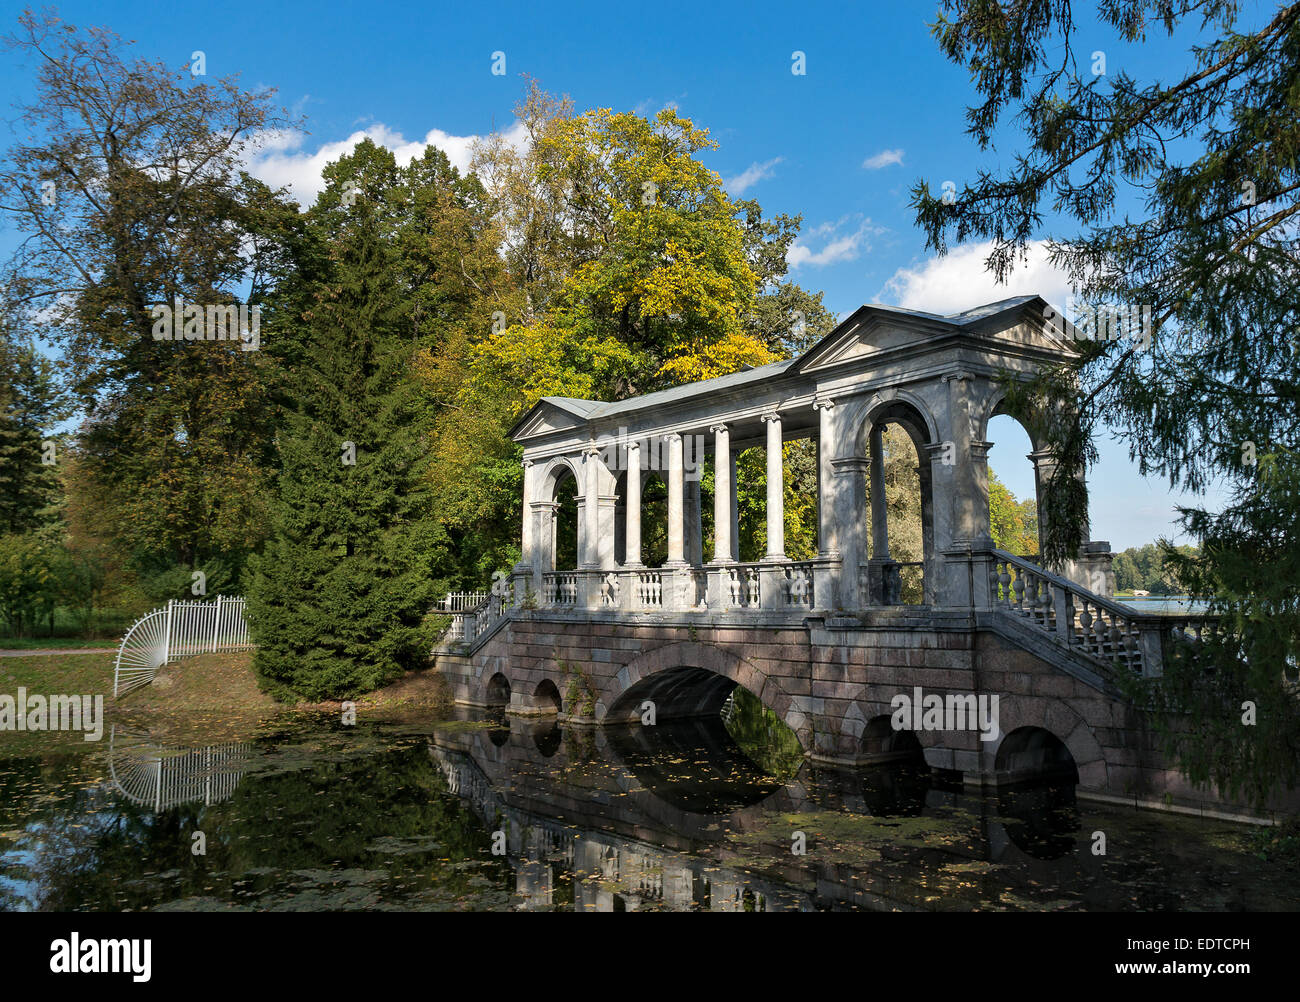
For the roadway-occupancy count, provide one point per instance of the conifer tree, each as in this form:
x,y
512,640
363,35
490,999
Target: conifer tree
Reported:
x,y
339,597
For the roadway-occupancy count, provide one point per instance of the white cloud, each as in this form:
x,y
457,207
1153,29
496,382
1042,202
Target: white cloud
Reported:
x,y
282,160
959,281
837,248
754,173
884,158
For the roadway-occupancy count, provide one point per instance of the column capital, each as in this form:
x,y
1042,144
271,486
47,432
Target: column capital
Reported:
x,y
633,443
959,376
822,403
672,436
715,428
772,416
850,464
591,449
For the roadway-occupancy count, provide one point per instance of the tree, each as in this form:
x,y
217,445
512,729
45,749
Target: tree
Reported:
x,y
339,596
633,271
648,280
1185,193
29,581
30,404
127,188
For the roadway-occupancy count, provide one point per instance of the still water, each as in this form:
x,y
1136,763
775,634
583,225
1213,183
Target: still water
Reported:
x,y
310,815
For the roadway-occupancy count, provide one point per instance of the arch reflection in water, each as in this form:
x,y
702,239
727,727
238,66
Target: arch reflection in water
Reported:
x,y
1036,781
159,778
693,764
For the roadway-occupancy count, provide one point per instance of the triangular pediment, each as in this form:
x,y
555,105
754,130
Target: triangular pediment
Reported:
x,y
554,414
874,330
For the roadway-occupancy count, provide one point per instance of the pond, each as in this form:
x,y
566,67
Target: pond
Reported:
x,y
507,814
1166,604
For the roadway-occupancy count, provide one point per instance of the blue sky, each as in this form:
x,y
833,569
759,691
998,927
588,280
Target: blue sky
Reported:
x,y
877,109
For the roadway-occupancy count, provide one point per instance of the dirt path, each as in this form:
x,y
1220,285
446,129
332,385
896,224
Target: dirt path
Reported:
x,y
37,652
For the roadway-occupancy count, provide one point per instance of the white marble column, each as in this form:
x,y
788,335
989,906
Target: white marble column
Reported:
x,y
827,530
879,510
591,509
724,489
676,505
735,511
527,556
775,489
632,537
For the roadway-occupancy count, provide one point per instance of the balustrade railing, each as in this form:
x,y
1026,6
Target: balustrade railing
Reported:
x,y
797,586
742,588
649,589
1123,638
470,624
560,588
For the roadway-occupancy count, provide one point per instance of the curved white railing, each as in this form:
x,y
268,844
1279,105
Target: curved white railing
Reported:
x,y
160,778
180,630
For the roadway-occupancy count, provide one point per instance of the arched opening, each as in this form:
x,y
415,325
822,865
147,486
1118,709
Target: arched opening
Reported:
x,y
1013,487
546,697
1030,754
498,690
1036,778
899,504
562,544
881,743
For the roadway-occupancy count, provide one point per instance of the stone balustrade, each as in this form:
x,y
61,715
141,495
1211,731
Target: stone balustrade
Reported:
x,y
786,585
1116,636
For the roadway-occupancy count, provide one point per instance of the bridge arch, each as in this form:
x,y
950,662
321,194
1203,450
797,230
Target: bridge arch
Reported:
x,y
1063,723
498,690
546,697
693,678
1035,752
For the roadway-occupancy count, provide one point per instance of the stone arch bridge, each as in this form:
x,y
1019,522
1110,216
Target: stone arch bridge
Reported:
x,y
829,641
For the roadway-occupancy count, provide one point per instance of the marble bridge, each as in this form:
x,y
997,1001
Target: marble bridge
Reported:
x,y
825,642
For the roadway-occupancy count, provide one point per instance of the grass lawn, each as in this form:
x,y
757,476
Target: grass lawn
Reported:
x,y
204,699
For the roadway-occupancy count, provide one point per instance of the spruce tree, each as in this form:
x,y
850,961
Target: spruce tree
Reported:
x,y
30,404
340,595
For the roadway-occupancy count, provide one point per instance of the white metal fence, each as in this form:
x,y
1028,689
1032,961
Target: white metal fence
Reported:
x,y
459,601
180,630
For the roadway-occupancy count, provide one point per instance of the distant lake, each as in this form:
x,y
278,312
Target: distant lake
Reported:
x,y
1172,604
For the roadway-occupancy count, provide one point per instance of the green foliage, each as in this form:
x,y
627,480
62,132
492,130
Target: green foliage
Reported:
x,y
1209,392
1014,524
579,690
763,736
339,597
30,404
30,575
1150,568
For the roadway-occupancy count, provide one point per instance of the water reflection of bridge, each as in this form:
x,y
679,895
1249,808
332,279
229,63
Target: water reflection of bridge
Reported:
x,y
591,826
160,778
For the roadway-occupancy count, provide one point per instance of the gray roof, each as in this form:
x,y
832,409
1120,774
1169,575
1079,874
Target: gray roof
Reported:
x,y
963,318
689,390
595,409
